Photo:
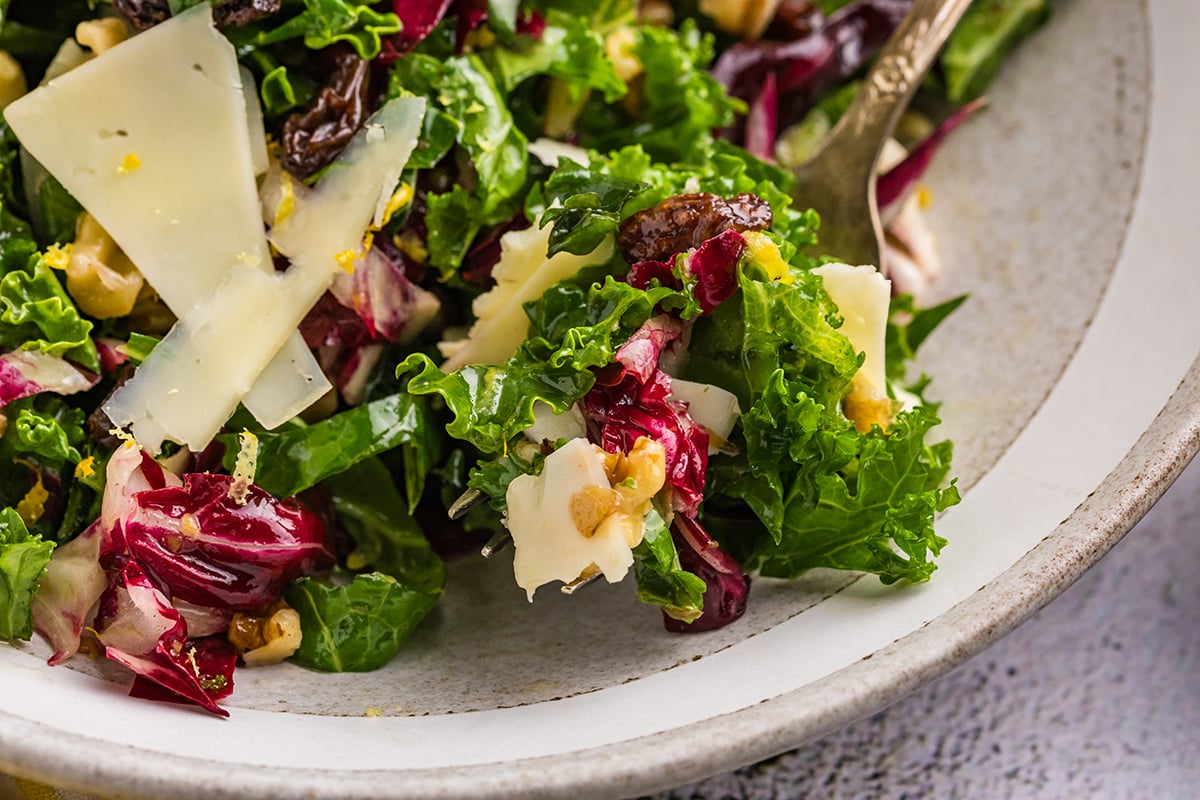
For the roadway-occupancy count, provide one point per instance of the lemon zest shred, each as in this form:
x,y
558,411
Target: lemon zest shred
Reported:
x,y
346,259
924,197
58,257
123,436
399,199
84,469
245,468
287,199
33,505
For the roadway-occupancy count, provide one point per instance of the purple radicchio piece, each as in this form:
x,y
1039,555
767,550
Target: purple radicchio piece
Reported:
x,y
710,270
141,630
24,373
727,586
206,548
68,591
632,398
833,51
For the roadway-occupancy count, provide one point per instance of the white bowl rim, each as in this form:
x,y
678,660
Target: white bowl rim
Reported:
x,y
721,742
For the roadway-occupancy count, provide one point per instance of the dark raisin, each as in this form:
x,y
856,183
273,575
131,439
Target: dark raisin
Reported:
x,y
680,223
143,14
795,19
99,426
236,13
312,139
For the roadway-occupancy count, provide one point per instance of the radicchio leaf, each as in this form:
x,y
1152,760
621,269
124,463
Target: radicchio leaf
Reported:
x,y
419,18
727,587
634,400
24,373
67,592
209,550
709,271
140,630
805,67
894,186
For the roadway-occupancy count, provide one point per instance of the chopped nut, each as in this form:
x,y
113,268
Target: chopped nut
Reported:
x,y
745,19
590,506
99,35
12,79
268,638
100,277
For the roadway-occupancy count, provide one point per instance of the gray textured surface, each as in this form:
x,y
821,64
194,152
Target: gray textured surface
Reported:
x,y
1097,696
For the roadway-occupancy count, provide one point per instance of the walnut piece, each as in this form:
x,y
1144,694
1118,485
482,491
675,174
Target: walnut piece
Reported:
x,y
266,638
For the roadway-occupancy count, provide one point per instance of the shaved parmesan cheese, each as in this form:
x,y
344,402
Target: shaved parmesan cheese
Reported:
x,y
254,124
522,274
175,190
711,406
192,381
543,518
862,296
549,426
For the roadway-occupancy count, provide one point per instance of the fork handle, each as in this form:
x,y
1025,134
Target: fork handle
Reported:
x,y
891,82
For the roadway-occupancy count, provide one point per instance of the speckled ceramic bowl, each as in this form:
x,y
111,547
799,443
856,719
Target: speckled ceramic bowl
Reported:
x,y
1070,385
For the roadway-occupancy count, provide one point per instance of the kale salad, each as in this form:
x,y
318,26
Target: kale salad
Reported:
x,y
300,299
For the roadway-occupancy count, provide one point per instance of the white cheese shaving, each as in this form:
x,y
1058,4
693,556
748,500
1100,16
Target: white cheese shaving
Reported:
x,y
862,296
522,274
711,406
548,544
194,379
169,100
550,427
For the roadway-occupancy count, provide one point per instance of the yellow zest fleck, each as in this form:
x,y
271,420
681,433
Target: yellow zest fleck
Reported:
x,y
766,253
924,197
346,259
58,257
287,199
244,469
33,504
84,468
412,246
274,148
399,199
373,712
129,163
123,436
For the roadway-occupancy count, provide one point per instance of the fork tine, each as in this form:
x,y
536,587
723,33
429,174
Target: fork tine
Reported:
x,y
577,584
495,544
465,502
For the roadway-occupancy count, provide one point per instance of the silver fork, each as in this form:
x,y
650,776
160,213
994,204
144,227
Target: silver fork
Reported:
x,y
839,179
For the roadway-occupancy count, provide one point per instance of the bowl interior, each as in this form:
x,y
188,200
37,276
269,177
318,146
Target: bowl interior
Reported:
x,y
1030,202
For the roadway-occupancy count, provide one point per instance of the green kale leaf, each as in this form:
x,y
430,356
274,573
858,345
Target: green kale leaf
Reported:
x,y
356,627
23,559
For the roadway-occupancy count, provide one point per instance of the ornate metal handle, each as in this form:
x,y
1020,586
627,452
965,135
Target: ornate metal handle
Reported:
x,y
897,71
